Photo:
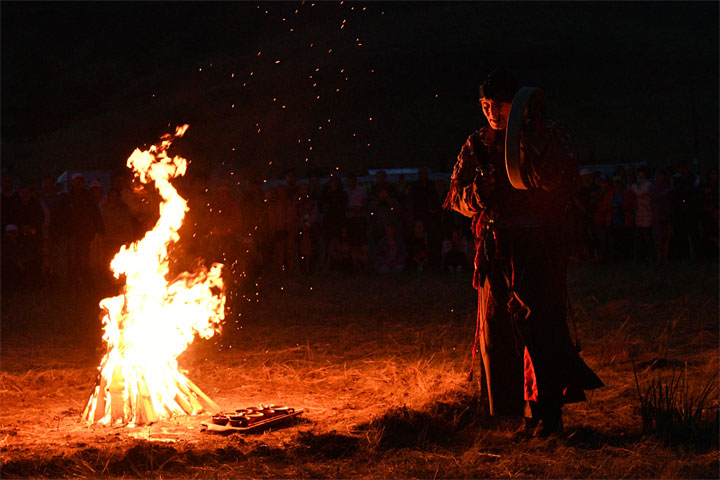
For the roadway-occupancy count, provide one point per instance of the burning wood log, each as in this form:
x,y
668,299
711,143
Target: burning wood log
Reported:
x,y
117,389
145,411
208,404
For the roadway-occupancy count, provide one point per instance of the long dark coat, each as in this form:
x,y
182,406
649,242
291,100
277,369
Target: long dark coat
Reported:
x,y
529,359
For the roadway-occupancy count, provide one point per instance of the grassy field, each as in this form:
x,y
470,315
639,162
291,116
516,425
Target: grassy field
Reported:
x,y
379,365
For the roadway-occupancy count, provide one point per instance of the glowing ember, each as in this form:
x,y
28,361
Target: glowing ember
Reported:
x,y
155,320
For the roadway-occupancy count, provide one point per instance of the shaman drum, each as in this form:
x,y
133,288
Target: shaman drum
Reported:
x,y
526,114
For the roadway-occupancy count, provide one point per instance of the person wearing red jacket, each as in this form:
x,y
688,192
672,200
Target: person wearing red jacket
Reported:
x,y
617,213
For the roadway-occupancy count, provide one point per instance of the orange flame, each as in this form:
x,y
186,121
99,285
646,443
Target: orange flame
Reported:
x,y
154,320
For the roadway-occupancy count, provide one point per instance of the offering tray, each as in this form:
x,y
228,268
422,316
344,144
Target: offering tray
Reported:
x,y
251,419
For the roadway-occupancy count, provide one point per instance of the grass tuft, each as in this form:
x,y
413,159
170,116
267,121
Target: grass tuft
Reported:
x,y
675,413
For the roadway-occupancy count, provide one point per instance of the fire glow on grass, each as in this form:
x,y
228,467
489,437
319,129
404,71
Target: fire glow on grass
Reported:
x,y
154,320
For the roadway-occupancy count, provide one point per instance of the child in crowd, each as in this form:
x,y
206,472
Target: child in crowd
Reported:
x,y
390,252
456,252
419,248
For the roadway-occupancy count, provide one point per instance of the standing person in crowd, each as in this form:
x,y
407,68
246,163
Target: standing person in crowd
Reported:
x,y
13,258
600,229
143,200
77,222
9,199
333,204
585,202
445,218
617,209
357,222
383,210
708,241
225,215
662,226
226,230
255,238
424,205
684,200
28,216
291,184
49,201
620,172
49,197
98,266
122,183
418,248
284,200
96,191
390,252
194,188
381,181
532,367
316,187
316,193
270,249
308,230
711,186
631,174
119,225
286,227
643,217
422,197
402,189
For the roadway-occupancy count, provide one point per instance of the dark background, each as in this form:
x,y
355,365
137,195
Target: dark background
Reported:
x,y
83,84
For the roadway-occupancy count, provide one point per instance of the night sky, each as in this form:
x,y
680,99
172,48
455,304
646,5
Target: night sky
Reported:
x,y
268,86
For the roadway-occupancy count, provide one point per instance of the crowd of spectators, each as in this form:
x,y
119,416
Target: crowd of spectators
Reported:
x,y
338,224
318,225
646,215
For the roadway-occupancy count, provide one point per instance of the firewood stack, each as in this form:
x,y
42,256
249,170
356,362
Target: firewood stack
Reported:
x,y
132,400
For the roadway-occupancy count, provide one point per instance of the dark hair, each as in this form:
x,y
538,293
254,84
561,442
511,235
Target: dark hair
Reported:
x,y
499,85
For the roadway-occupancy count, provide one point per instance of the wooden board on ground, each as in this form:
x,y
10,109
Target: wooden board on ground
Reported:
x,y
272,422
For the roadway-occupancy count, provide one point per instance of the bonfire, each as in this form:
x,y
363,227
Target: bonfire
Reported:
x,y
155,319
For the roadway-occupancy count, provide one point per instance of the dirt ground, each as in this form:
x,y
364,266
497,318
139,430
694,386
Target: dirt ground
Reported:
x,y
379,366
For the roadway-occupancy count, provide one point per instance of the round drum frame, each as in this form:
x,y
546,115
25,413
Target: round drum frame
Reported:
x,y
528,101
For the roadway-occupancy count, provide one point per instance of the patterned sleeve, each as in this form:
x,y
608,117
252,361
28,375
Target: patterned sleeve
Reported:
x,y
551,158
465,194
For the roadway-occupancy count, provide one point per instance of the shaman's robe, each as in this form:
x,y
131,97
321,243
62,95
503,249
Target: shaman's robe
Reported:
x,y
529,359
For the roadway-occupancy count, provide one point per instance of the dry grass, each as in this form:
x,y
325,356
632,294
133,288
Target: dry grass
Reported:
x,y
674,412
379,364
